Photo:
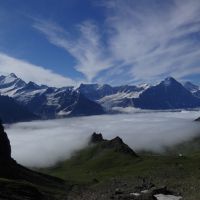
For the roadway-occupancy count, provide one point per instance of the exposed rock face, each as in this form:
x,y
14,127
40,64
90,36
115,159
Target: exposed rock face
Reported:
x,y
5,148
96,138
27,184
117,144
198,119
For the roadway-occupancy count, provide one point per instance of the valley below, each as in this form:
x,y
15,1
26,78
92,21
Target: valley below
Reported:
x,y
166,146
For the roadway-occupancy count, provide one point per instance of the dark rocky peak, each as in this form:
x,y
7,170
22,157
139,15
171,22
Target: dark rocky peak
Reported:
x,y
117,140
11,80
197,120
32,86
12,75
119,146
116,144
88,86
96,138
2,77
5,148
169,81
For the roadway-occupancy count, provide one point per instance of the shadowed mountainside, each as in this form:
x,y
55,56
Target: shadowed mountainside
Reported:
x,y
18,182
198,119
11,111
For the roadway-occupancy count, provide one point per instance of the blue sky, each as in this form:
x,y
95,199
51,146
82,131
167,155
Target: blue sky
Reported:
x,y
67,42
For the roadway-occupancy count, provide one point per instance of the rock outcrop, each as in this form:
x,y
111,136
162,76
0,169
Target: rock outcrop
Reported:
x,y
96,138
197,120
116,144
18,182
5,148
119,146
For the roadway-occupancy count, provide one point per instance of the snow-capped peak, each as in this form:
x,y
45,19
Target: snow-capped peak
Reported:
x,y
168,81
9,79
12,75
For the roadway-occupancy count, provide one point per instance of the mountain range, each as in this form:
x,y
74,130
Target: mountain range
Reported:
x,y
40,101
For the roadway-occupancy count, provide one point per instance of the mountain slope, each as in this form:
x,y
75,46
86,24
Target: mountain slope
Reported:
x,y
48,102
98,157
93,99
109,97
18,182
194,89
169,94
106,170
11,111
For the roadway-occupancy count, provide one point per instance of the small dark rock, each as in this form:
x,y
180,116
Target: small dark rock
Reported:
x,y
162,190
96,138
118,191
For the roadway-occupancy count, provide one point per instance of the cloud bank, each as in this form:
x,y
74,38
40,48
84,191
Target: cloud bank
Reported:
x,y
43,143
29,72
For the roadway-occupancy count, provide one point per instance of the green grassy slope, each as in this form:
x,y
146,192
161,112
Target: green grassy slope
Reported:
x,y
96,167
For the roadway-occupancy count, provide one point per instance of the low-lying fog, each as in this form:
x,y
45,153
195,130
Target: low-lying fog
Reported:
x,y
43,143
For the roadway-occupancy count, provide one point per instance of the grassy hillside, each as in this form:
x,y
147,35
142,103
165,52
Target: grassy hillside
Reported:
x,y
99,168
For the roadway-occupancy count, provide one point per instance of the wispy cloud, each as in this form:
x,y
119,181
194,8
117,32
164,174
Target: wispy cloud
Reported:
x,y
87,48
156,40
146,41
30,72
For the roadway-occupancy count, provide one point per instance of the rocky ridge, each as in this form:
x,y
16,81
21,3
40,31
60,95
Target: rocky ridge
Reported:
x,y
116,144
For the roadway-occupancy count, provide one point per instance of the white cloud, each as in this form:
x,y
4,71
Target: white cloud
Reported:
x,y
148,41
29,72
43,143
87,48
156,40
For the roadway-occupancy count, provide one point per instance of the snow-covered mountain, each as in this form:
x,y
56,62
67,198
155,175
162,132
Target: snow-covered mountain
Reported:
x,y
168,94
109,97
194,89
97,92
48,102
92,99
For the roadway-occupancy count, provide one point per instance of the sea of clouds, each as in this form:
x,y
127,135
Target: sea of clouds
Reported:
x,y
44,143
